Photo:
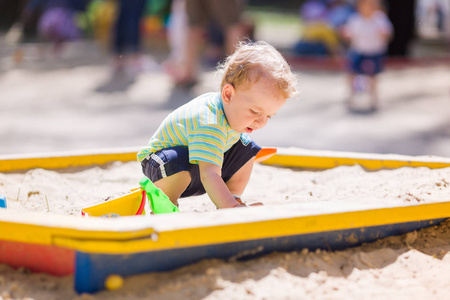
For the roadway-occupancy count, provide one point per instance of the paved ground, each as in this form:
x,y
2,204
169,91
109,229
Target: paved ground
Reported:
x,y
75,103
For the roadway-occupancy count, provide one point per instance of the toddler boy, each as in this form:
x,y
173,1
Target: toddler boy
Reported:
x,y
203,145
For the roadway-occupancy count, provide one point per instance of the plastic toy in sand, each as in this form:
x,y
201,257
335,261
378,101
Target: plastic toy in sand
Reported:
x,y
3,201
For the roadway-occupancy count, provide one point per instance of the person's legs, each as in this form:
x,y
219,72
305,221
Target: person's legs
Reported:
x,y
239,180
373,92
177,32
135,10
351,85
228,15
377,66
238,165
169,169
127,33
197,13
174,185
194,44
233,35
118,42
354,68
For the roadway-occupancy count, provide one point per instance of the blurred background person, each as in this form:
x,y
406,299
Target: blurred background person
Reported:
x,y
319,38
57,22
200,13
368,32
322,20
177,31
433,19
101,16
126,40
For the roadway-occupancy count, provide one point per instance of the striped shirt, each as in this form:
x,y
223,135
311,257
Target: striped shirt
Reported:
x,y
200,125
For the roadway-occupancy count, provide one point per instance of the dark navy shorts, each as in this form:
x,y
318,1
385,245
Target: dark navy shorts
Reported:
x,y
365,64
173,160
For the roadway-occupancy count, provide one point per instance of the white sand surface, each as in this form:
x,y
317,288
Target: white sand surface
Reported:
x,y
75,104
66,192
412,266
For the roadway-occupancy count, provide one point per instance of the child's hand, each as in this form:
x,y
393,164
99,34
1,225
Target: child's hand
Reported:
x,y
251,204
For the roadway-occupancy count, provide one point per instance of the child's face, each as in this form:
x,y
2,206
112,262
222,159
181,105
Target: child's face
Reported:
x,y
368,7
250,109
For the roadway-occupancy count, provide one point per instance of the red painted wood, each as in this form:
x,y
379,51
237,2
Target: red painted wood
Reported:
x,y
38,258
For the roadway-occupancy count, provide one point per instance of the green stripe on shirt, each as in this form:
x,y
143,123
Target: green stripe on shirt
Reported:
x,y
200,125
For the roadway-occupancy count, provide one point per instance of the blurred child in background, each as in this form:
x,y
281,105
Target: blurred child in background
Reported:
x,y
57,24
368,32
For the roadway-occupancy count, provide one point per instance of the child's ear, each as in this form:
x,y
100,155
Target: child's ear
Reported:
x,y
227,92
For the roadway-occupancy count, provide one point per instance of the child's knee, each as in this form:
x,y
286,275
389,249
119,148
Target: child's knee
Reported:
x,y
174,185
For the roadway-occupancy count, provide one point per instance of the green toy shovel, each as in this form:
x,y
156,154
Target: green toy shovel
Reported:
x,y
159,202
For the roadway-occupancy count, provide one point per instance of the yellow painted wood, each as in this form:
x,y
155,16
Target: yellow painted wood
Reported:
x,y
146,239
8,163
301,159
210,235
324,162
46,235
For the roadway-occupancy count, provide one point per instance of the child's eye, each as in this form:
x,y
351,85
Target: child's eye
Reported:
x,y
254,112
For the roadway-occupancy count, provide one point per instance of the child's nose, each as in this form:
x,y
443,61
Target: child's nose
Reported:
x,y
261,122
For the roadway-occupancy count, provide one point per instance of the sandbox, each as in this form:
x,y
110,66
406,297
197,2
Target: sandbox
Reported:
x,y
318,213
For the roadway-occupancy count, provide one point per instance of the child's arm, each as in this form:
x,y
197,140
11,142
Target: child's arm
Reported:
x,y
210,175
384,28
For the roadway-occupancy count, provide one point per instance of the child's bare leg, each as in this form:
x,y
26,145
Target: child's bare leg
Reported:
x,y
351,80
174,185
239,180
373,92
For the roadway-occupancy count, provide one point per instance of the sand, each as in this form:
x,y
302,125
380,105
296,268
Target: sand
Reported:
x,y
75,104
412,266
66,192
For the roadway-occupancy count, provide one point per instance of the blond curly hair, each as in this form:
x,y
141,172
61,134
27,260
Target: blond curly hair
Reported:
x,y
252,61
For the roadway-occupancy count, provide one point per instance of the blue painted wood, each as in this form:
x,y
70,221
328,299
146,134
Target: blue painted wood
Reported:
x,y
91,269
